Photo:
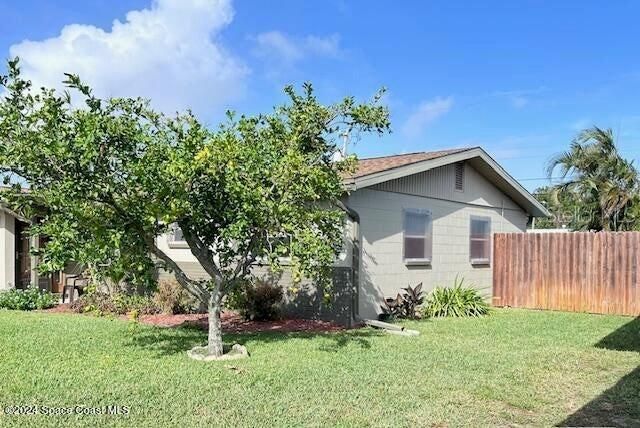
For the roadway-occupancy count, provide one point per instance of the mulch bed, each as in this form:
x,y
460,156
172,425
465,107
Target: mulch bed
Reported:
x,y
232,322
60,308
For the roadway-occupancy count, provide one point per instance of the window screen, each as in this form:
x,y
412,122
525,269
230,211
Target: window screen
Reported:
x,y
417,235
480,240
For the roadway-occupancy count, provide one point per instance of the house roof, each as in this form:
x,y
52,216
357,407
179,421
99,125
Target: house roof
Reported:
x,y
372,171
368,166
5,208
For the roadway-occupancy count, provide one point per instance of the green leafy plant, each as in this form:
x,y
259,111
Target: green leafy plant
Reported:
x,y
27,300
456,301
261,300
404,305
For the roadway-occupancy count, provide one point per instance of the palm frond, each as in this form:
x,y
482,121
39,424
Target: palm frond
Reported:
x,y
598,177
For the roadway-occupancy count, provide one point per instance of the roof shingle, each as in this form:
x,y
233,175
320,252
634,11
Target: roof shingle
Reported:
x,y
369,166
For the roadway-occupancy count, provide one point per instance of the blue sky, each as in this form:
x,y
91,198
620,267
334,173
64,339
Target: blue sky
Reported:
x,y
517,78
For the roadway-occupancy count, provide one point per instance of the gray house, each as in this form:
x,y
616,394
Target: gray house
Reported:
x,y
419,217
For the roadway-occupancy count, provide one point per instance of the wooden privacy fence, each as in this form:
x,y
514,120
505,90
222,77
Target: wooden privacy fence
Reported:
x,y
578,272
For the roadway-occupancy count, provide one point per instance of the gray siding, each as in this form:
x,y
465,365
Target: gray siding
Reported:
x,y
383,271
304,300
192,269
438,183
7,251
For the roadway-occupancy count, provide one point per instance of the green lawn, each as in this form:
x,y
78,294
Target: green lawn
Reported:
x,y
515,367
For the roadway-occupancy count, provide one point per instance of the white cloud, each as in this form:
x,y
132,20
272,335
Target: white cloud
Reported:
x,y
327,46
426,113
519,101
168,53
276,43
519,98
277,46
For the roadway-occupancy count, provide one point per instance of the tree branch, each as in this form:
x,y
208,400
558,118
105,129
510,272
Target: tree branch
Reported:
x,y
202,253
246,259
198,292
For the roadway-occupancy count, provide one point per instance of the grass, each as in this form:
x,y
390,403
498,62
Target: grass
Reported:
x,y
514,367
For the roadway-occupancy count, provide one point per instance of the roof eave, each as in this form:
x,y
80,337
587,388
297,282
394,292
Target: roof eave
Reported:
x,y
5,209
526,200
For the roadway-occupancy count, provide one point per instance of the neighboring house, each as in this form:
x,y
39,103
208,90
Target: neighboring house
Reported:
x,y
17,265
418,217
558,230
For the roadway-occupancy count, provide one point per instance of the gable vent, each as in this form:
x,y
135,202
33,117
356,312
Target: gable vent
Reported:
x,y
460,176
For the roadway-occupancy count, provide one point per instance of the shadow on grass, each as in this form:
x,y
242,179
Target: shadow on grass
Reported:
x,y
626,338
174,340
618,406
167,340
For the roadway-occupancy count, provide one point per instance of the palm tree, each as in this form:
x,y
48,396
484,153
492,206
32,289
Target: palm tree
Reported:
x,y
603,183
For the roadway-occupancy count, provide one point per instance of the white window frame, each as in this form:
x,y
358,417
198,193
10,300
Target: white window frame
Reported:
x,y
428,234
480,261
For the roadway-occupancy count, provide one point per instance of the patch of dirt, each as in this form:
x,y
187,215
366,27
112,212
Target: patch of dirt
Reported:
x,y
232,322
60,308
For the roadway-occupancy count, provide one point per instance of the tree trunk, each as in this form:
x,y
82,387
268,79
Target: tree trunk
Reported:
x,y
214,344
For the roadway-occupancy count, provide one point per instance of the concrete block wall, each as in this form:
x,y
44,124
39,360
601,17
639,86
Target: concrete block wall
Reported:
x,y
306,301
383,271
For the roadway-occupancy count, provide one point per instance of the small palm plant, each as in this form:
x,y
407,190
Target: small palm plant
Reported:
x,y
456,301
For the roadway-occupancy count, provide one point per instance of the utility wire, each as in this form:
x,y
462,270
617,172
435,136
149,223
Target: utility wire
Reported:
x,y
540,178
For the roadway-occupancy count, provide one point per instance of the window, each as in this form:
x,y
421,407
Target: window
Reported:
x,y
417,236
176,238
459,166
177,235
480,240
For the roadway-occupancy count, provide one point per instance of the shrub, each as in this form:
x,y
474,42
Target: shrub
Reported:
x,y
94,301
236,298
172,298
102,303
405,305
141,304
261,301
27,300
456,301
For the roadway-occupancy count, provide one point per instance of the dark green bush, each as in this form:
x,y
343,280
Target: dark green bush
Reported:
x,y
456,301
26,300
261,301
